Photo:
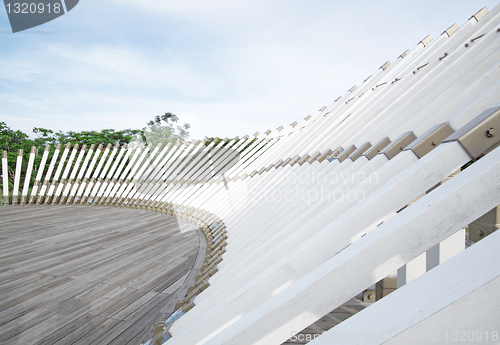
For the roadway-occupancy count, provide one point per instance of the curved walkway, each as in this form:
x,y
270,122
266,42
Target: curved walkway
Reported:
x,y
91,275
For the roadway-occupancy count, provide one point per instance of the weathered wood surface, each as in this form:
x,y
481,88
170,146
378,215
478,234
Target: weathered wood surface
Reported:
x,y
91,275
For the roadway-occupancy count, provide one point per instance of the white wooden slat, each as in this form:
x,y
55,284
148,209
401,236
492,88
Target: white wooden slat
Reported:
x,y
39,174
104,178
184,161
96,174
202,171
115,183
325,245
45,186
419,311
70,162
196,196
5,181
87,174
118,154
155,187
215,164
125,188
66,189
460,200
17,176
74,187
140,173
121,184
54,181
27,178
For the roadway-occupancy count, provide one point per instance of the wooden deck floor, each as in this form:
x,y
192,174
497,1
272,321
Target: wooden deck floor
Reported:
x,y
91,275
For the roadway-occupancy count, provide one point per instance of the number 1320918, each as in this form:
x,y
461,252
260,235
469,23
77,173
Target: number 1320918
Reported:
x,y
32,8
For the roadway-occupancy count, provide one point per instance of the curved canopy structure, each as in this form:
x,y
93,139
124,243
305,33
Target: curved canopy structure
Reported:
x,y
370,199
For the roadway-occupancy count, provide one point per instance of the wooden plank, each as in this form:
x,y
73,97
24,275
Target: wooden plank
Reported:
x,y
97,332
90,275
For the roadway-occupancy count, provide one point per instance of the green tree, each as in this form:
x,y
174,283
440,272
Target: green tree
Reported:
x,y
164,129
104,136
13,141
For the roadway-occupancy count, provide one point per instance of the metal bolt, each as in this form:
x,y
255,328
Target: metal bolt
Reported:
x,y
442,57
478,37
434,143
466,45
418,68
491,132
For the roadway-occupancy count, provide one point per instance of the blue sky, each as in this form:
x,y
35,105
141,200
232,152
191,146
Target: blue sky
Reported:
x,y
228,67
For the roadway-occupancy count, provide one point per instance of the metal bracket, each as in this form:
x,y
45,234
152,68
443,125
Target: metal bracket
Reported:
x,y
404,54
304,159
375,150
485,225
426,40
451,29
314,157
286,162
335,153
294,160
324,155
399,144
386,65
359,152
479,136
343,156
430,139
481,13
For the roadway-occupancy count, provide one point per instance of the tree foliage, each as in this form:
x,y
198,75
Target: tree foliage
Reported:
x,y
164,129
161,129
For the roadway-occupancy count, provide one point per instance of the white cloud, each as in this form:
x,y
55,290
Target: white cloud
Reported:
x,y
234,67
